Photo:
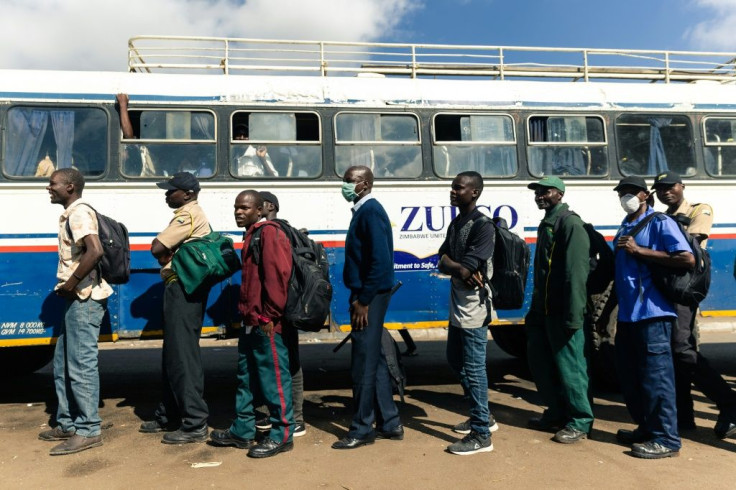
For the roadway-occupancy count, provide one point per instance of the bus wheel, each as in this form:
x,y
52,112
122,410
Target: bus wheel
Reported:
x,y
510,338
16,361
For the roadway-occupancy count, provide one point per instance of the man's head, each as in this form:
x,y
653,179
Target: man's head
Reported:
x,y
548,191
466,189
182,188
270,204
360,180
65,186
669,189
248,208
632,192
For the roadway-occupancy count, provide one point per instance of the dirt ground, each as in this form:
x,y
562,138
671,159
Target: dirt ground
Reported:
x,y
522,458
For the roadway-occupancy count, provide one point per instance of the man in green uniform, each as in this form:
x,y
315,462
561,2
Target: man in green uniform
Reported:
x,y
554,324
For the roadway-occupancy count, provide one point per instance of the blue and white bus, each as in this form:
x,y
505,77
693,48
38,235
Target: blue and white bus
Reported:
x,y
416,114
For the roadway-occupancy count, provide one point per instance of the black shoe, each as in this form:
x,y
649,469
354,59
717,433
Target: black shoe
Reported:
x,y
352,442
75,444
725,428
263,423
464,427
396,434
154,426
570,435
299,430
544,425
224,438
268,448
180,436
630,437
56,434
653,450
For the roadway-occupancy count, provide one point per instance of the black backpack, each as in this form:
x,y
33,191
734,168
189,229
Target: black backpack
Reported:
x,y
508,272
602,259
310,291
396,369
681,286
114,266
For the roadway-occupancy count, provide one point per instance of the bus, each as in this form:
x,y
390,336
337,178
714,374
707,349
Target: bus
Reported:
x,y
291,116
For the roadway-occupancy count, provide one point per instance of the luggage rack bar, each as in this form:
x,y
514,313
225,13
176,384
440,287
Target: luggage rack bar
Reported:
x,y
175,54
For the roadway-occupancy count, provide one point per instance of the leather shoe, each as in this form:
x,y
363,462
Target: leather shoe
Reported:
x,y
180,436
268,447
224,438
629,437
653,450
725,428
75,444
154,426
56,434
542,424
353,442
570,435
396,434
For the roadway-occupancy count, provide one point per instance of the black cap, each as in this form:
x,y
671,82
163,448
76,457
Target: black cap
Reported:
x,y
181,180
667,179
267,196
632,181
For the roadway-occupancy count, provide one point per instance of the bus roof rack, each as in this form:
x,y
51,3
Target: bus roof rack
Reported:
x,y
174,54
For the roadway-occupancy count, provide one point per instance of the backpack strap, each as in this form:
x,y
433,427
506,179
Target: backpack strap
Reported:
x,y
254,247
560,219
635,231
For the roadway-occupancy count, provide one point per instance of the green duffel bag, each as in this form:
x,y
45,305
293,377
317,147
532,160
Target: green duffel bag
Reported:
x,y
205,261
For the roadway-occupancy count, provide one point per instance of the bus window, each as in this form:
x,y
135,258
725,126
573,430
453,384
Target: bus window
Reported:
x,y
39,140
650,144
388,144
570,145
720,146
275,144
169,141
480,142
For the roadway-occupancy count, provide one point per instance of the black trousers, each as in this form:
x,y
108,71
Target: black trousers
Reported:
x,y
691,368
290,336
183,404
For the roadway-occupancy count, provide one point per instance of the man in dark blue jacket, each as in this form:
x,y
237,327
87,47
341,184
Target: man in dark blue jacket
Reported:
x,y
369,274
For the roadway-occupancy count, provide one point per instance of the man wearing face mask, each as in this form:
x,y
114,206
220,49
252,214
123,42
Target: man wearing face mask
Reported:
x,y
690,366
645,322
554,324
369,274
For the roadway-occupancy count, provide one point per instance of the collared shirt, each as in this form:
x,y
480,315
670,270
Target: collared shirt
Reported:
x,y
189,222
638,298
701,218
361,201
82,222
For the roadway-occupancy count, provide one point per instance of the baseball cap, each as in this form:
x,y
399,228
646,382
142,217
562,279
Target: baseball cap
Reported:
x,y
666,179
267,196
632,181
549,181
181,180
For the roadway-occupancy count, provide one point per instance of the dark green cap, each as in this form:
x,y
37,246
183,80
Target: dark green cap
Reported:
x,y
549,181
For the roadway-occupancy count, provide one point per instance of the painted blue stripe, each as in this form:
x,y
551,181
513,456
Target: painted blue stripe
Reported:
x,y
5,236
108,97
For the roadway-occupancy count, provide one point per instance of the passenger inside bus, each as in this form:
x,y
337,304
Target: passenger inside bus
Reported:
x,y
253,162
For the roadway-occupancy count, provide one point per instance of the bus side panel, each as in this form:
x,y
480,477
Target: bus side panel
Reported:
x,y
722,294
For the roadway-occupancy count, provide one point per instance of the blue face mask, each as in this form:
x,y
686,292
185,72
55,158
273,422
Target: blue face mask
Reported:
x,y
348,191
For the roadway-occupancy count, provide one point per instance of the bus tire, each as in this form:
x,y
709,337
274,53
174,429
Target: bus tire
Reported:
x,y
510,338
16,361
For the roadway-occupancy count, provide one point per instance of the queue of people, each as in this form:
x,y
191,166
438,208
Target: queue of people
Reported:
x,y
656,340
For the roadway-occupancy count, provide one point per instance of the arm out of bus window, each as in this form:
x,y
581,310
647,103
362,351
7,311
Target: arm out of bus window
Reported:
x,y
125,123
90,257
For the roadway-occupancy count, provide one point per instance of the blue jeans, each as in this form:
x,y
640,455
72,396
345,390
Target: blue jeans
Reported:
x,y
466,353
647,375
76,377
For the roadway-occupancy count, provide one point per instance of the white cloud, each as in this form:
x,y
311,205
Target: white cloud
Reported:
x,y
93,34
716,33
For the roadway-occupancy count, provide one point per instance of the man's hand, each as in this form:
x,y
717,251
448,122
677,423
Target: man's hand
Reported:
x,y
475,280
267,329
67,290
358,315
628,244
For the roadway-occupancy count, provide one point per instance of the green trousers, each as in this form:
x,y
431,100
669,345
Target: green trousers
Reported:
x,y
263,368
560,370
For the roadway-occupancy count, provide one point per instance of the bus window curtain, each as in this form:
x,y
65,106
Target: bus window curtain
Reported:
x,y
364,127
567,160
26,129
63,125
204,125
657,157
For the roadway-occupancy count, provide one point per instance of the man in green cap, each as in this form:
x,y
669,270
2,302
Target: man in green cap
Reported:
x,y
554,324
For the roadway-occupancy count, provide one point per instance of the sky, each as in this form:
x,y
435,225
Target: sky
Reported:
x,y
93,34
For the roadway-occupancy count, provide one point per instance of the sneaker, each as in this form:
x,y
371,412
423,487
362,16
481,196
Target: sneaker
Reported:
x,y
464,427
471,444
725,428
263,423
75,444
56,434
299,430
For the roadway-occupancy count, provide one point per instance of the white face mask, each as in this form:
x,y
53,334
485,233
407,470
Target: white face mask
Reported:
x,y
630,203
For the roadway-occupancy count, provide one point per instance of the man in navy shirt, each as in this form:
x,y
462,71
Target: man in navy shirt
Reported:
x,y
645,321
369,274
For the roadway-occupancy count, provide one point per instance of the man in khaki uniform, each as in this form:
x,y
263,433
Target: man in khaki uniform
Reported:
x,y
690,366
183,412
